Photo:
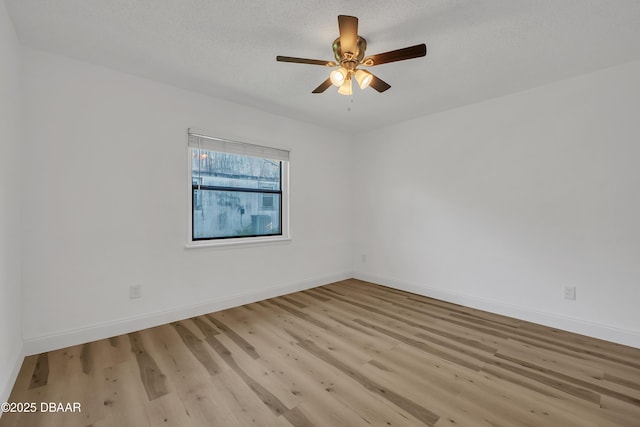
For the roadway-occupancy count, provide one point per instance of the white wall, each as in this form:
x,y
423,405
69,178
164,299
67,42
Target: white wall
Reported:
x,y
498,205
10,299
495,205
106,205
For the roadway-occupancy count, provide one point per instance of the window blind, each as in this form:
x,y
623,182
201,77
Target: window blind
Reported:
x,y
221,145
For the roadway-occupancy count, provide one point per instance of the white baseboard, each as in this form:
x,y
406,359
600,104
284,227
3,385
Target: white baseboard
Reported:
x,y
124,326
579,326
10,380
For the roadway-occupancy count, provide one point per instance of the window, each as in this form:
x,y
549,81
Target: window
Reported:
x,y
239,191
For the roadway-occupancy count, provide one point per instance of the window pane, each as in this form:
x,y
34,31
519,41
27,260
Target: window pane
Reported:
x,y
220,214
231,170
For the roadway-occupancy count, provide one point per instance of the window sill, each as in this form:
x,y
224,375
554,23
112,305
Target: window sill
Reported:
x,y
235,243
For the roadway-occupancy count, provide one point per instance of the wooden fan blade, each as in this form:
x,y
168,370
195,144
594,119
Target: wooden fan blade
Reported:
x,y
348,26
396,55
323,86
379,84
305,61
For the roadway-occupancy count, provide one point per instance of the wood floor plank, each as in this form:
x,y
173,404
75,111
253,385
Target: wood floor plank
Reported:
x,y
86,359
574,380
421,413
109,352
197,348
319,331
40,375
343,401
334,386
169,411
260,375
25,375
348,353
124,396
249,406
297,418
241,342
194,387
269,399
152,377
552,360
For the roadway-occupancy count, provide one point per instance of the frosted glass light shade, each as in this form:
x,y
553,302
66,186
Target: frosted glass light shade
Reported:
x,y
338,76
345,89
363,78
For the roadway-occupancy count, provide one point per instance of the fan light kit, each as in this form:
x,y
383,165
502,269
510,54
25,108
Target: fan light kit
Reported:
x,y
348,50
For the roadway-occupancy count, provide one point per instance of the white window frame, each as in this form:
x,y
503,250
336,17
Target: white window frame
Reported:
x,y
239,241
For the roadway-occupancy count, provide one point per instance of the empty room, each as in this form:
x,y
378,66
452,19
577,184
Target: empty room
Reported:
x,y
336,213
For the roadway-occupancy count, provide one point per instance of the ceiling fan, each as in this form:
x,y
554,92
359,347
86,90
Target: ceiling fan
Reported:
x,y
348,50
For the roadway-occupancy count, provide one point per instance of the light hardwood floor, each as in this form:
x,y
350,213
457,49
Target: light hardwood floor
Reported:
x,y
345,354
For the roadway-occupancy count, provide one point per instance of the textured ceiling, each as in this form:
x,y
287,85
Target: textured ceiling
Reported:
x,y
477,49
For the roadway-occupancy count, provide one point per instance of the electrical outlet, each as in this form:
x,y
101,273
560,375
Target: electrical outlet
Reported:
x,y
570,292
135,291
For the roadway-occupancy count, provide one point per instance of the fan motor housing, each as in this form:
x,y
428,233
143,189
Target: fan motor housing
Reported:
x,y
346,57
